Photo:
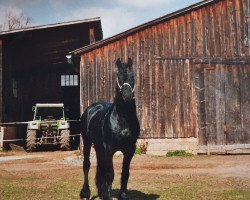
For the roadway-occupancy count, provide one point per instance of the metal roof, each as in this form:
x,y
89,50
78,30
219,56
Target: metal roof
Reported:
x,y
143,26
50,25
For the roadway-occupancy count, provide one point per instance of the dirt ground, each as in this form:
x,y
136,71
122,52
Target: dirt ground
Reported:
x,y
58,175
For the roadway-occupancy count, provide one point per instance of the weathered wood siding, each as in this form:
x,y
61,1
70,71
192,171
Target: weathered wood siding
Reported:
x,y
1,79
180,65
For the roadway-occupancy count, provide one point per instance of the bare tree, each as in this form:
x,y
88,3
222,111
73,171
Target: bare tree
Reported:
x,y
14,21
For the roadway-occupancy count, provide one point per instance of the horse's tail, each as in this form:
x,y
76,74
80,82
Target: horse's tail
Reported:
x,y
83,124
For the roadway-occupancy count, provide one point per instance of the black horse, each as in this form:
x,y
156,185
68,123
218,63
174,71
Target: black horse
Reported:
x,y
111,127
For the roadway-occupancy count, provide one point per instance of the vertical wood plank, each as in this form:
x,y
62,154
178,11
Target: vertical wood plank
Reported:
x,y
230,33
88,81
199,28
245,102
210,102
137,68
193,106
153,100
220,104
235,28
168,89
146,81
217,32
246,40
1,80
233,110
81,80
200,88
157,73
161,75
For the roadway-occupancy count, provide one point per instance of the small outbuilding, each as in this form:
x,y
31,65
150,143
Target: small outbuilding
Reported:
x,y
192,77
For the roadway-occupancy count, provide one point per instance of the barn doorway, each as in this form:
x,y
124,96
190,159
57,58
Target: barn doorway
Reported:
x,y
71,95
224,108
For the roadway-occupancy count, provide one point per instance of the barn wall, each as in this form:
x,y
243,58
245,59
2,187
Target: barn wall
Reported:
x,y
164,110
171,62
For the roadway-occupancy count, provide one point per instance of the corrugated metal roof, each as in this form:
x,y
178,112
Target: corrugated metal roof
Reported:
x,y
143,26
51,25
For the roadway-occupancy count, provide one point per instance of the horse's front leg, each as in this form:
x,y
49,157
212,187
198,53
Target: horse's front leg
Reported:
x,y
109,177
128,155
85,192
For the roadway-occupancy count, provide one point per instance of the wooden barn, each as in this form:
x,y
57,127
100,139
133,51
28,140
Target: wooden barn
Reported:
x,y
192,77
34,68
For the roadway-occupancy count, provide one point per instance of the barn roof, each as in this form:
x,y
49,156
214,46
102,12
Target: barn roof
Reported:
x,y
48,45
142,27
50,26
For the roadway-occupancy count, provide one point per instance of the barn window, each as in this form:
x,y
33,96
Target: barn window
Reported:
x,y
69,80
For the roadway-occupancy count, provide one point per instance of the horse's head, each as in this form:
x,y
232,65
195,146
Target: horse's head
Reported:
x,y
125,80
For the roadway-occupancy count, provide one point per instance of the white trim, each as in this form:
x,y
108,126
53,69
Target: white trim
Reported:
x,y
1,138
49,105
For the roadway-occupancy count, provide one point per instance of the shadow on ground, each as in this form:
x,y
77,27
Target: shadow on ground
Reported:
x,y
133,195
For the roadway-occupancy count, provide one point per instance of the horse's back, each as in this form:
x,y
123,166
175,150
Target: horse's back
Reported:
x,y
91,119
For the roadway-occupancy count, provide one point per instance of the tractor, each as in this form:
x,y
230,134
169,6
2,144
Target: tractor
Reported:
x,y
49,126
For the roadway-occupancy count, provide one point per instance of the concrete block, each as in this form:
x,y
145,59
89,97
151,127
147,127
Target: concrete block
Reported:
x,y
162,146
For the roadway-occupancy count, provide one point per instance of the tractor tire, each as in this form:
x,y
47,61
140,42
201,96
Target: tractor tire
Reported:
x,y
64,140
31,140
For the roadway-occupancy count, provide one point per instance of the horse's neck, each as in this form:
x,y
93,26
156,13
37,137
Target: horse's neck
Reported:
x,y
123,109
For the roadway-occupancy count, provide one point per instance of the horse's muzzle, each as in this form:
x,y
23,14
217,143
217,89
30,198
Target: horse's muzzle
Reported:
x,y
128,97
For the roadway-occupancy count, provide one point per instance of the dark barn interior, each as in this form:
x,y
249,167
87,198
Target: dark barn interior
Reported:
x,y
35,68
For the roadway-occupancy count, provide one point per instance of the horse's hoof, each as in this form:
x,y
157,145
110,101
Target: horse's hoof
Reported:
x,y
107,198
85,194
123,196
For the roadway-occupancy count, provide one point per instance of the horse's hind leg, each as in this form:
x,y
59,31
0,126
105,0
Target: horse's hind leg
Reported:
x,y
85,192
104,175
109,177
100,170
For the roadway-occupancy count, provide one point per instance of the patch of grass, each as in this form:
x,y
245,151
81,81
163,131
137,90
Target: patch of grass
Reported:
x,y
67,184
138,151
178,153
237,194
32,185
59,181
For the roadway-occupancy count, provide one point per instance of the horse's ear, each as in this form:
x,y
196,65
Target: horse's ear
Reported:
x,y
130,62
118,62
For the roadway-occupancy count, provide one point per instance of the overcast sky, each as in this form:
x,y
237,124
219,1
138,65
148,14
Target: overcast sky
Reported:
x,y
116,15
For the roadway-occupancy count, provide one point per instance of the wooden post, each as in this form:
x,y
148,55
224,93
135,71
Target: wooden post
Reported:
x,y
1,80
91,35
208,149
1,138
